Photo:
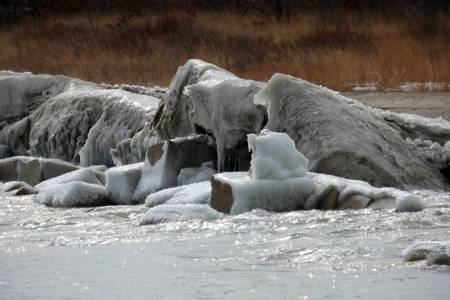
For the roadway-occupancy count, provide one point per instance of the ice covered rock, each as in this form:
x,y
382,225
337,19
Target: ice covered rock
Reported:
x,y
32,170
21,93
277,179
18,187
193,175
179,212
86,175
77,116
196,193
164,162
121,183
421,250
72,194
115,125
204,98
342,137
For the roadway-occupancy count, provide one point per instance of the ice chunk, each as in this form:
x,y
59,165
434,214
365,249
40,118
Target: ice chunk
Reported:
x,y
420,250
121,183
274,157
180,212
72,194
25,188
196,193
343,137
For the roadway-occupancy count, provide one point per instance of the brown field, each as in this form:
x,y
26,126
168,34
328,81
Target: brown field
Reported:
x,y
148,49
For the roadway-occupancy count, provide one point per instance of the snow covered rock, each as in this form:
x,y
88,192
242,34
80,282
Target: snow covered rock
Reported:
x,y
18,187
86,175
21,93
277,179
72,194
342,137
204,98
32,170
196,193
164,162
121,183
421,250
179,212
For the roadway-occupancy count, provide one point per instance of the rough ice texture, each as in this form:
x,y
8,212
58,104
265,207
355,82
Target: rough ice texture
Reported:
x,y
274,157
193,175
86,175
74,121
73,194
121,182
342,137
271,195
16,185
179,212
165,161
204,98
196,193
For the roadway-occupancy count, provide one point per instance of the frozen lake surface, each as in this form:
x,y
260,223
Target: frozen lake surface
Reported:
x,y
103,253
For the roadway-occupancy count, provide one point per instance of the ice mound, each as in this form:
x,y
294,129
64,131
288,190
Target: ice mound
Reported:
x,y
342,137
177,213
72,194
122,181
196,193
274,157
19,188
86,175
277,181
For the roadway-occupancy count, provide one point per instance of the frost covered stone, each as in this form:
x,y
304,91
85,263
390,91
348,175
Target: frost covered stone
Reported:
x,y
86,175
342,137
195,193
73,194
121,183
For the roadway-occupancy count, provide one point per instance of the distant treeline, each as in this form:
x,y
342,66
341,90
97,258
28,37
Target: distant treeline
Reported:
x,y
280,9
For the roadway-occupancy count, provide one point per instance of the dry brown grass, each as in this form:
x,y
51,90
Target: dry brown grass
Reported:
x,y
148,49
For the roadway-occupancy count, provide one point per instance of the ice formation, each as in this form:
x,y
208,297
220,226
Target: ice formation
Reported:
x,y
193,175
203,98
420,250
195,193
122,181
277,181
72,194
16,185
71,120
164,162
342,137
179,212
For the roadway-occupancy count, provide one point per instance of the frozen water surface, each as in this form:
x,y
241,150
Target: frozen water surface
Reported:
x,y
103,253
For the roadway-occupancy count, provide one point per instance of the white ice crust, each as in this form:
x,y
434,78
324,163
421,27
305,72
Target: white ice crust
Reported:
x,y
86,175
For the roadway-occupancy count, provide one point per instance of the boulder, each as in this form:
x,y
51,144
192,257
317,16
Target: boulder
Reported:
x,y
178,213
342,137
19,188
73,194
193,175
164,162
121,183
86,175
195,193
204,98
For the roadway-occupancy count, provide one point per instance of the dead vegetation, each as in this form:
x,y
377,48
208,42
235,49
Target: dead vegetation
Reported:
x,y
147,49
